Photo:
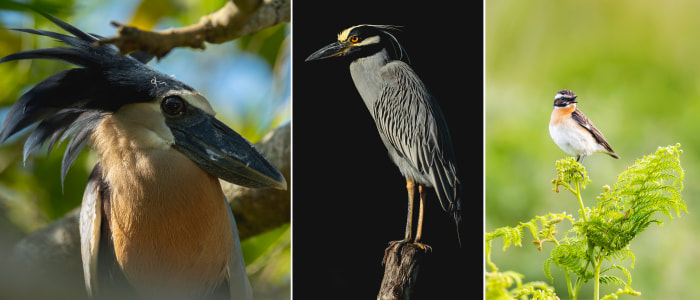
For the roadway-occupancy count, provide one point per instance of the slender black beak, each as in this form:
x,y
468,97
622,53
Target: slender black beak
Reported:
x,y
332,50
222,152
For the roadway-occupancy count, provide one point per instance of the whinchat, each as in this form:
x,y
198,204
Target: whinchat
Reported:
x,y
573,132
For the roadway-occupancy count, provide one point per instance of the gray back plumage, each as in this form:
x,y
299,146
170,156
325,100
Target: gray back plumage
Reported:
x,y
71,103
411,123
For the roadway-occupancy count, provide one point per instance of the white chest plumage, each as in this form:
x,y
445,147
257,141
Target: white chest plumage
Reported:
x,y
571,137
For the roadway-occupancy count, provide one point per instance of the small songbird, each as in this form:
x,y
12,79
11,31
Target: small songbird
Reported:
x,y
573,132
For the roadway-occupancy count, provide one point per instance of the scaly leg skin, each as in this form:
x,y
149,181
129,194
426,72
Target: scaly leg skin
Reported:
x,y
419,231
581,162
393,245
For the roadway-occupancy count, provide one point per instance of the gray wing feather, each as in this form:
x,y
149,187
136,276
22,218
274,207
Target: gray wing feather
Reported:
x,y
239,286
410,121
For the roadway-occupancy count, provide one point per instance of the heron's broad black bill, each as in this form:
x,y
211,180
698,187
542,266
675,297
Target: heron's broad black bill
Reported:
x,y
332,50
224,153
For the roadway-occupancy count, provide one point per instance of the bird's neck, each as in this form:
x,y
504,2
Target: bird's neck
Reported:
x,y
169,220
365,72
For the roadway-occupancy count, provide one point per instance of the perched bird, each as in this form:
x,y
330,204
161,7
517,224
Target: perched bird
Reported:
x,y
407,116
154,222
573,132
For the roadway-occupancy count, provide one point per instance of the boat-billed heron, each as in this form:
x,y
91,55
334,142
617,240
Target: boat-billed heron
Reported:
x,y
154,222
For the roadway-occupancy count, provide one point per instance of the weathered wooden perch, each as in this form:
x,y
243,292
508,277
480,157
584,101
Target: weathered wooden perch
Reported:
x,y
401,272
235,19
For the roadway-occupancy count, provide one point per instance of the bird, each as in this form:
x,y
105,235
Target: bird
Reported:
x,y
154,221
573,132
410,123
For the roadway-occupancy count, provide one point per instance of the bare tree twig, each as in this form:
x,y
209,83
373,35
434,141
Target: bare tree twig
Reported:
x,y
235,19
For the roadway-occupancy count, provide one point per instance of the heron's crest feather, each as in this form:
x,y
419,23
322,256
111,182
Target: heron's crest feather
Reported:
x,y
70,103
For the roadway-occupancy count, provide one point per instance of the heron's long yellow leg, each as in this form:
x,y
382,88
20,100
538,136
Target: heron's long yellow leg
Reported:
x,y
419,230
394,245
411,188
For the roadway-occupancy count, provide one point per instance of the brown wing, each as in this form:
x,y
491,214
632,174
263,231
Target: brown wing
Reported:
x,y
582,120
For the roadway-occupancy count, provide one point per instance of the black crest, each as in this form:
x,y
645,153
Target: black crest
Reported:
x,y
388,40
71,103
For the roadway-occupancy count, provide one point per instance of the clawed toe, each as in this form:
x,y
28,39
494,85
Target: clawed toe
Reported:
x,y
395,246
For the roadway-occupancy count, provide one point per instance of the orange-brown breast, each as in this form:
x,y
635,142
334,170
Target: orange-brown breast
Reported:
x,y
560,114
170,224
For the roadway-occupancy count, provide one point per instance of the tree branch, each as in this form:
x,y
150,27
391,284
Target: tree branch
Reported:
x,y
259,210
235,19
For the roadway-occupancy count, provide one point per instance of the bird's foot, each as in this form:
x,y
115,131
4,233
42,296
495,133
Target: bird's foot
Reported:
x,y
423,247
395,246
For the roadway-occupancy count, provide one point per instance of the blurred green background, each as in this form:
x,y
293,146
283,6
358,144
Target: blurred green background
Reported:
x,y
247,82
634,66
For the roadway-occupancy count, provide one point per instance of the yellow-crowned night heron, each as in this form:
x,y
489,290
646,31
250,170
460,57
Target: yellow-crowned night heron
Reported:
x,y
408,118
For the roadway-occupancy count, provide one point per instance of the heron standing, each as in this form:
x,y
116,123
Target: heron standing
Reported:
x,y
409,120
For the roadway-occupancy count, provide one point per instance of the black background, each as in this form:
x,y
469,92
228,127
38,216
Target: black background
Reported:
x,y
349,199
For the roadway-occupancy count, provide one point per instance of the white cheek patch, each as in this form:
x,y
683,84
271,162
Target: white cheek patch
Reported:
x,y
144,125
368,41
192,98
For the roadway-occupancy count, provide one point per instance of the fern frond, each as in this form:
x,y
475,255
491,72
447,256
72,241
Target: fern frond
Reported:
x,y
498,284
620,256
570,258
653,184
569,170
609,279
510,236
626,290
536,290
623,270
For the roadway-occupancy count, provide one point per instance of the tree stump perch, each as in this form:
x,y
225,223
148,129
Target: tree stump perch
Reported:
x,y
401,272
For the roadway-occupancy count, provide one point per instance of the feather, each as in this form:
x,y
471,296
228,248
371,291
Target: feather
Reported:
x,y
52,128
70,103
80,130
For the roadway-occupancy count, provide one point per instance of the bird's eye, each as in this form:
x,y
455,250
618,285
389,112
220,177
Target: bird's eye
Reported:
x,y
354,39
173,106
